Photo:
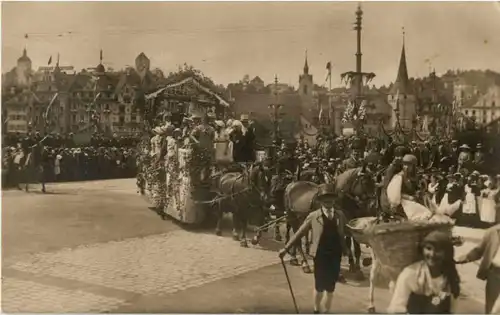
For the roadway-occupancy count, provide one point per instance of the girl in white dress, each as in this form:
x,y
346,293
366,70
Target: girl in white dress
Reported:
x,y
488,203
470,214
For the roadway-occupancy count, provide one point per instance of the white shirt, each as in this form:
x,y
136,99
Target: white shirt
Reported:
x,y
328,212
416,279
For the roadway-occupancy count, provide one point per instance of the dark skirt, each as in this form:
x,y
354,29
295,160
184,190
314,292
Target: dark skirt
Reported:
x,y
421,304
326,272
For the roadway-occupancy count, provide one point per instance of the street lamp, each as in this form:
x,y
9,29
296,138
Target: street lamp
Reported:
x,y
275,118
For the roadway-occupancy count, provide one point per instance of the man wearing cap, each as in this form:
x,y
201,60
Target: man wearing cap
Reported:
x,y
328,245
248,139
479,158
353,161
464,158
489,268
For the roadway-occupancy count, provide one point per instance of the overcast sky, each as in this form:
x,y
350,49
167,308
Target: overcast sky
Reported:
x,y
229,39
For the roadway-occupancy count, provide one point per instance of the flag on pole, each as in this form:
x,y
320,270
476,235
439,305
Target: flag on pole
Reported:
x,y
50,60
100,56
329,70
26,36
46,115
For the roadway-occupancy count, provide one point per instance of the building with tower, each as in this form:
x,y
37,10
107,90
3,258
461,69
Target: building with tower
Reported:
x,y
401,96
306,86
23,70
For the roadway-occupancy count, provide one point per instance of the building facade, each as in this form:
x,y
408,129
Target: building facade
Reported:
x,y
483,108
57,99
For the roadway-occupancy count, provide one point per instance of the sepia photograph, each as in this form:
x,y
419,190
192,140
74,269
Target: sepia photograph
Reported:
x,y
250,157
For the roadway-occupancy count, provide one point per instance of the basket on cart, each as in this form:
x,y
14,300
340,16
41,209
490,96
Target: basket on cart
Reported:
x,y
396,244
360,229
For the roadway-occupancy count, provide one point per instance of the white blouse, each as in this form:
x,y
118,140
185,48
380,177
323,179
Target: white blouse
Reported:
x,y
416,279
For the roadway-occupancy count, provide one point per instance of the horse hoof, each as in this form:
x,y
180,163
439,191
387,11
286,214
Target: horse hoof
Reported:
x,y
371,310
342,279
218,233
244,244
255,241
294,262
306,269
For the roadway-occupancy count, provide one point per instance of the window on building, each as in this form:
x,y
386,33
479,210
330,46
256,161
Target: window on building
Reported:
x,y
122,119
473,113
484,113
466,112
484,120
305,89
493,104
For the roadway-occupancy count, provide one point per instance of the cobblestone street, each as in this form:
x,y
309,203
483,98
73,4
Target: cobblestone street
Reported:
x,y
94,247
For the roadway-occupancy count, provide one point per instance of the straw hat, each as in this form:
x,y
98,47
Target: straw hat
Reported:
x,y
410,159
464,147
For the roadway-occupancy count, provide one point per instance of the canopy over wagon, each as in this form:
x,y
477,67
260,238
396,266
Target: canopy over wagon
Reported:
x,y
183,97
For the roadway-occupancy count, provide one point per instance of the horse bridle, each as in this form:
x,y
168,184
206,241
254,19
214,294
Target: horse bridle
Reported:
x,y
252,186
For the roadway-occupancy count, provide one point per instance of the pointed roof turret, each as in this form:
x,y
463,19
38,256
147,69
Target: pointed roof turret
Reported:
x,y
24,57
100,67
402,83
306,66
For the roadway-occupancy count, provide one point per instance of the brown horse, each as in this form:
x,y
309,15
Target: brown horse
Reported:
x,y
32,169
298,202
244,195
355,189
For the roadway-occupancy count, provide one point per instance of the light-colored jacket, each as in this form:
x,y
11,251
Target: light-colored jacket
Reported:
x,y
314,222
486,250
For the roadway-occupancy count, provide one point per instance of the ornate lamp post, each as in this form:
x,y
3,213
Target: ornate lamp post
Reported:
x,y
275,118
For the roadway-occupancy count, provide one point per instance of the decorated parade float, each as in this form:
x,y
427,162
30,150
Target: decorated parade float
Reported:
x,y
179,183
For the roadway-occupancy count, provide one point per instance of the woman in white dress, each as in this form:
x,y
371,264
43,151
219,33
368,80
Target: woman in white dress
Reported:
x,y
470,213
451,201
402,189
488,203
223,149
157,185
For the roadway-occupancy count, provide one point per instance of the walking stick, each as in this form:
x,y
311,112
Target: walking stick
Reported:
x,y
289,286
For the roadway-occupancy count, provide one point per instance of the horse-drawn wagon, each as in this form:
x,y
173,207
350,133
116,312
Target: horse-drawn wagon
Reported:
x,y
178,184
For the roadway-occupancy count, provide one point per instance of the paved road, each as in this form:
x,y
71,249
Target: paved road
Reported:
x,y
94,247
